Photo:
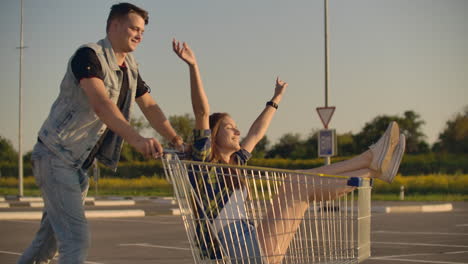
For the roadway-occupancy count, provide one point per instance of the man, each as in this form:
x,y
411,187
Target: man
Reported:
x,y
88,121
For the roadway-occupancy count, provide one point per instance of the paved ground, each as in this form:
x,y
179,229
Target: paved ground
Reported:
x,y
438,238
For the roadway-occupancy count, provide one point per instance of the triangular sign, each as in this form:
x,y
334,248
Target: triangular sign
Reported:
x,y
325,114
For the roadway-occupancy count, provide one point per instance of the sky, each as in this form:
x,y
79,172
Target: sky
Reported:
x,y
386,57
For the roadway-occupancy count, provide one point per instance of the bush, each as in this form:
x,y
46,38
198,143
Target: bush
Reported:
x,y
432,163
290,164
414,185
10,169
134,170
426,184
422,164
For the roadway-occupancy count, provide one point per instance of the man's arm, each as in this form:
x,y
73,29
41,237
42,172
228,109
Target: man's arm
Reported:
x,y
261,124
157,119
110,114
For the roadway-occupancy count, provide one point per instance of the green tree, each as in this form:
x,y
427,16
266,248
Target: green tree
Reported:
x,y
309,147
27,157
289,146
410,124
128,153
7,152
261,148
292,146
183,125
371,132
345,144
454,138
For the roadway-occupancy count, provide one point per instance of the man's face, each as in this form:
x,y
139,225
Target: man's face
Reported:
x,y
128,33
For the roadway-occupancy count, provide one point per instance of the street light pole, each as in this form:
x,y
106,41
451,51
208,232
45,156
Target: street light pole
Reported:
x,y
325,18
20,123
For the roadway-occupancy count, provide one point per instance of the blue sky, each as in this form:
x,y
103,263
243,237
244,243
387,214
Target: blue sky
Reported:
x,y
386,57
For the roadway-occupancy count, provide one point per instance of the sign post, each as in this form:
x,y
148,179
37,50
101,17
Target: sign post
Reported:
x,y
327,137
327,143
325,114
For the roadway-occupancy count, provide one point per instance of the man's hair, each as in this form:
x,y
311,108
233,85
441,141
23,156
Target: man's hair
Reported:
x,y
119,11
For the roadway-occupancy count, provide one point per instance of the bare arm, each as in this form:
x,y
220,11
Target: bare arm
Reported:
x,y
157,119
261,124
200,105
110,114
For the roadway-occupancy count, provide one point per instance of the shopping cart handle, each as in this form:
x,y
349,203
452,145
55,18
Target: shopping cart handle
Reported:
x,y
181,155
355,182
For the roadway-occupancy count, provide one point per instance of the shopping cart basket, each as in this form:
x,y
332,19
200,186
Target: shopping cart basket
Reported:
x,y
333,230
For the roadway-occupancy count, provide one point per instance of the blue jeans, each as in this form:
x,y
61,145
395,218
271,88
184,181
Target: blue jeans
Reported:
x,y
63,221
240,241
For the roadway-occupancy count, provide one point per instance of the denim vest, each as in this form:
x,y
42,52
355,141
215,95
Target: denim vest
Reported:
x,y
72,128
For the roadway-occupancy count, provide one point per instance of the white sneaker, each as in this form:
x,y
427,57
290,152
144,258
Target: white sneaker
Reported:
x,y
382,150
390,173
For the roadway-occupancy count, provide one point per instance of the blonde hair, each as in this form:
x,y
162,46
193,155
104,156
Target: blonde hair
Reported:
x,y
215,123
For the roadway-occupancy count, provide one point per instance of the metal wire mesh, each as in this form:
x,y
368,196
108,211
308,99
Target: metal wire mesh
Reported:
x,y
294,217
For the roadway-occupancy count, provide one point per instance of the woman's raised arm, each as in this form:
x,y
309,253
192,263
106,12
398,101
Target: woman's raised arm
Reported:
x,y
261,124
200,105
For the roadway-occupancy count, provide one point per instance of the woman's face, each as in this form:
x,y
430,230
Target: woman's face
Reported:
x,y
228,135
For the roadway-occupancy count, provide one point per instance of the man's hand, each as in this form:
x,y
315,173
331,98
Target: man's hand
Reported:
x,y
184,52
149,147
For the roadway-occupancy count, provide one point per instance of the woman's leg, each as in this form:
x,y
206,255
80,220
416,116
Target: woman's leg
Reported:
x,y
288,206
377,158
359,162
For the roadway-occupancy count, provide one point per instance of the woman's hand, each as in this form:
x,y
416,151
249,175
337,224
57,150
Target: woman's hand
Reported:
x,y
279,90
184,52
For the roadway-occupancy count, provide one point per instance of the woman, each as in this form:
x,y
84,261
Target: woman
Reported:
x,y
217,139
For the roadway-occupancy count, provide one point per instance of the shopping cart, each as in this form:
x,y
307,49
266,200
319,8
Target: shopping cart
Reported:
x,y
329,231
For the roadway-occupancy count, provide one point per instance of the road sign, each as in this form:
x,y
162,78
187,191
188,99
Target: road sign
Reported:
x,y
327,143
325,114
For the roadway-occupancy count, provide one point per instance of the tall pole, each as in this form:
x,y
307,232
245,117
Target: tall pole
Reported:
x,y
325,18
20,126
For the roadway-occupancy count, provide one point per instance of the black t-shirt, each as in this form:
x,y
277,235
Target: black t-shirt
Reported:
x,y
86,64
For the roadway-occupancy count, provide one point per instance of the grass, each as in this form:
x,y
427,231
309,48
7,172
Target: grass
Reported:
x,y
417,188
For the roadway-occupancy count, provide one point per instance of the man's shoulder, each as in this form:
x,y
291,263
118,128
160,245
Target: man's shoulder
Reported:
x,y
94,46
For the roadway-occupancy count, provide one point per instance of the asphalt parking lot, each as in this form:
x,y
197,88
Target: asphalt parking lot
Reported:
x,y
439,238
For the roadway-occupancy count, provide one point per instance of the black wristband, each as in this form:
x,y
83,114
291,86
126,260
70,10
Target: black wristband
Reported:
x,y
272,104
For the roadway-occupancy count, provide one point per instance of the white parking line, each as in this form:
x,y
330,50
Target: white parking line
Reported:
x,y
456,252
23,221
152,246
420,254
462,225
416,260
418,233
19,254
137,221
403,255
420,244
11,253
